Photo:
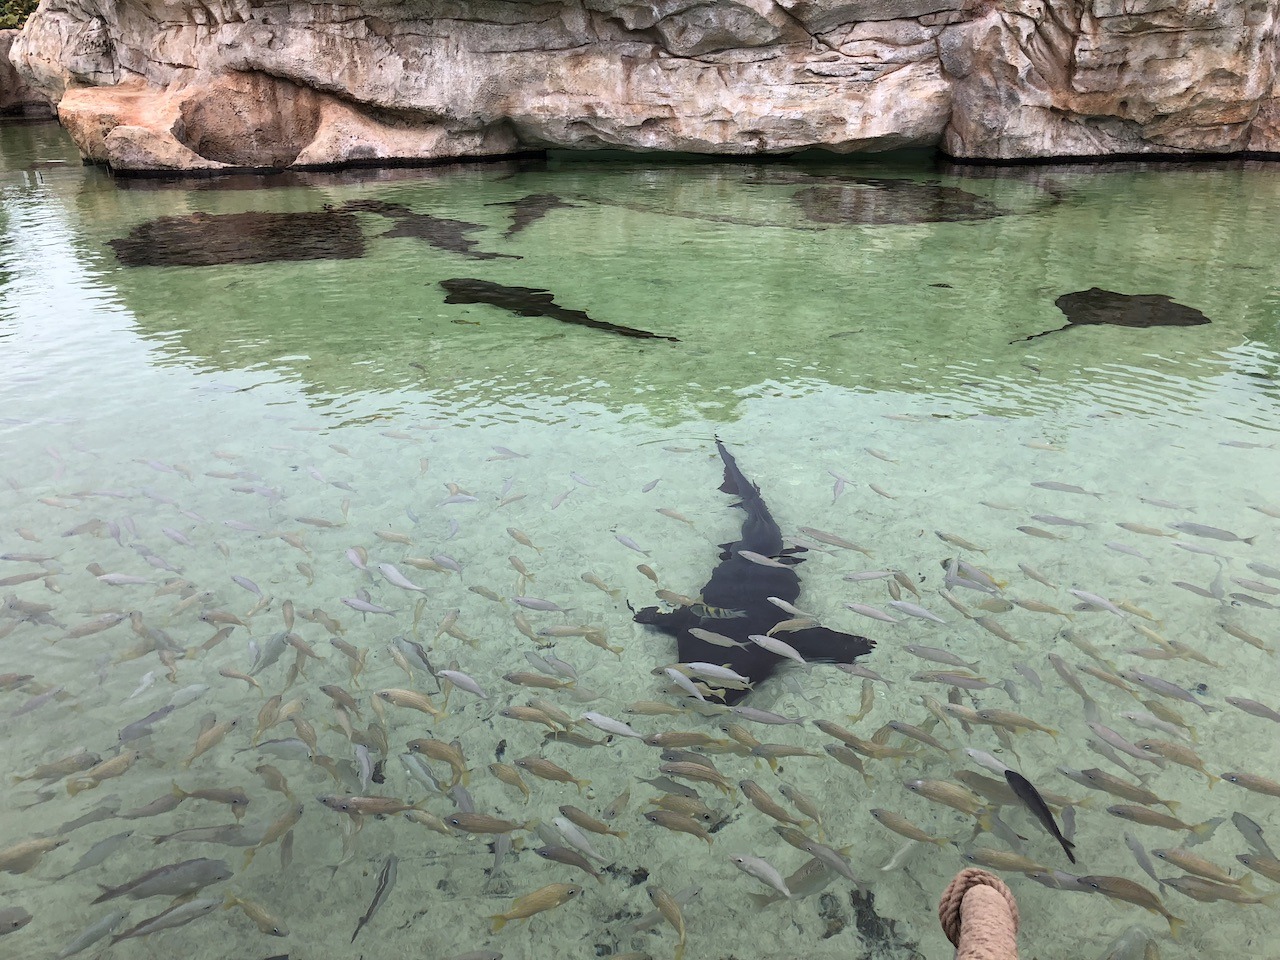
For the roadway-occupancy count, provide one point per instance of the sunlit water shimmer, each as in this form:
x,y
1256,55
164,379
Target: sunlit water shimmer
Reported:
x,y
193,454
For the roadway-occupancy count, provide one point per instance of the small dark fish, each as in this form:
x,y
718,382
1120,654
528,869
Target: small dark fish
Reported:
x,y
1031,798
531,302
386,880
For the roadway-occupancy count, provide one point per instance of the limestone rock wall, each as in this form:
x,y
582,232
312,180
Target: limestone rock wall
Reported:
x,y
192,84
17,98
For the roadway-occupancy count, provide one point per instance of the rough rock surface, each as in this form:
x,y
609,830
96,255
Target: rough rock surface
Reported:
x,y
17,98
181,85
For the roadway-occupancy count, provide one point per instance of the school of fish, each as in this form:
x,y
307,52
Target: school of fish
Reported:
x,y
222,737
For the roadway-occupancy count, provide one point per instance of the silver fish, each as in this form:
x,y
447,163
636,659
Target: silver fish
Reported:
x,y
464,681
763,716
13,918
1119,547
537,603
398,579
103,811
270,652
1110,737
1254,708
142,728
1252,834
1212,533
91,934
1054,520
763,871
173,917
99,853
834,860
247,584
1264,570
1140,854
364,606
227,834
937,655
1064,488
871,612
1164,688
575,838
915,610
188,695
386,881
630,544
170,880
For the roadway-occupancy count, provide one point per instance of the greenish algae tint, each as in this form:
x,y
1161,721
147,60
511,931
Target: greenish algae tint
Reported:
x,y
328,500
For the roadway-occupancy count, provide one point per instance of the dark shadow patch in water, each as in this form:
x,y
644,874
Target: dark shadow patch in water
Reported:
x,y
530,209
532,302
205,240
880,935
357,175
439,232
1096,306
884,201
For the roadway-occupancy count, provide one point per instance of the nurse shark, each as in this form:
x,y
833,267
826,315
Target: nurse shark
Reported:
x,y
735,601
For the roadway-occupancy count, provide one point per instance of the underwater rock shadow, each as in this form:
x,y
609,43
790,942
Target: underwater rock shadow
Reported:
x,y
1096,306
886,201
206,240
533,302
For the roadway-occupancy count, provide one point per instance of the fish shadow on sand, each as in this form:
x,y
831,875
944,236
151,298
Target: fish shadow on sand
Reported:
x,y
1097,306
735,603
439,232
532,302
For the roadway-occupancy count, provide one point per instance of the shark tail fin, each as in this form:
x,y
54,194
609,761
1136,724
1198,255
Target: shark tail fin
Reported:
x,y
823,645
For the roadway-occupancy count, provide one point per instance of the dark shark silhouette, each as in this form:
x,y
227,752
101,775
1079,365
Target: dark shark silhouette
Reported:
x,y
532,302
1098,306
735,601
530,209
442,233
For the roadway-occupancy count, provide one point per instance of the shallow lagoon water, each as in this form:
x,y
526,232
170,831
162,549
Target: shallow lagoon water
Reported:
x,y
222,403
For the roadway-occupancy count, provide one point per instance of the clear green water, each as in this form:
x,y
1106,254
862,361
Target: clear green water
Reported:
x,y
802,344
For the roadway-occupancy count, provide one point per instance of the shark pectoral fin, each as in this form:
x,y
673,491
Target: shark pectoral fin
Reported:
x,y
820,644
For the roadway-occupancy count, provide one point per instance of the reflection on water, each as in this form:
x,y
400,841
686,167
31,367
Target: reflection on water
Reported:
x,y
317,589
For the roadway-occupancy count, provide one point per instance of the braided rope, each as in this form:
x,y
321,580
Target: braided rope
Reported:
x,y
949,907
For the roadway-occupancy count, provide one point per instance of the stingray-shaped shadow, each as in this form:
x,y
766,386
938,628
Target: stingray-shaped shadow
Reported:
x,y
735,602
1097,306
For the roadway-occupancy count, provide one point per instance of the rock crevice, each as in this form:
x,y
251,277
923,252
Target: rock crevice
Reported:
x,y
221,84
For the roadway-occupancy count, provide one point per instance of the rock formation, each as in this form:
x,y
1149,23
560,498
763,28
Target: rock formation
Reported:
x,y
17,99
180,85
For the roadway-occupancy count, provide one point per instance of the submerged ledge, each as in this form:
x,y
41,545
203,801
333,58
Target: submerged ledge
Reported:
x,y
363,170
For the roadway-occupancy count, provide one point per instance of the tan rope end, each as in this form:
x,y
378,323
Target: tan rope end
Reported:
x,y
979,915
